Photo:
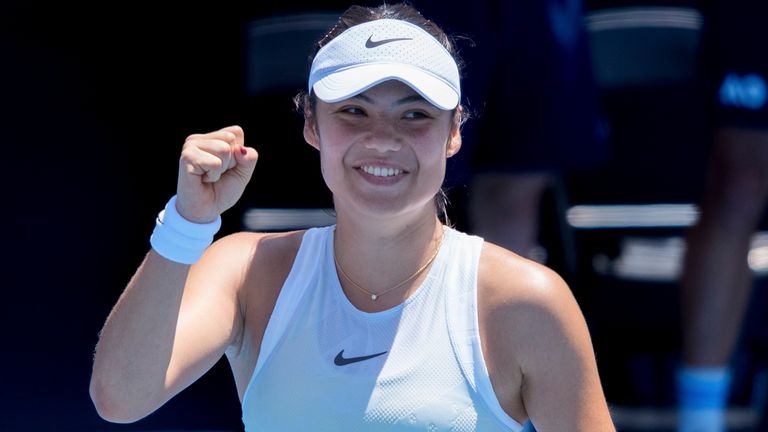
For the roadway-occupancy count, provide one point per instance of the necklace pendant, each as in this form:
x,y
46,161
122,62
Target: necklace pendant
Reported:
x,y
374,297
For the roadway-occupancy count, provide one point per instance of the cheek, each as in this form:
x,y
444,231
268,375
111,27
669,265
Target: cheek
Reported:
x,y
331,157
432,148
331,149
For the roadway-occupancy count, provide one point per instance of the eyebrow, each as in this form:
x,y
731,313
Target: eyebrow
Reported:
x,y
408,99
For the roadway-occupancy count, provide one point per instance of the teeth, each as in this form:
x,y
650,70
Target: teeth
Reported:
x,y
382,172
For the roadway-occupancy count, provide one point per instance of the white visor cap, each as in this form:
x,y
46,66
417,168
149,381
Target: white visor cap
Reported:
x,y
386,49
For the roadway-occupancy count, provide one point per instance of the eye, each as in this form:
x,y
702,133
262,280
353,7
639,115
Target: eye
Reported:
x,y
352,110
416,115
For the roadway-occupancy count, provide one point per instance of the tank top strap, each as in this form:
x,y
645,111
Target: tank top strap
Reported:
x,y
463,327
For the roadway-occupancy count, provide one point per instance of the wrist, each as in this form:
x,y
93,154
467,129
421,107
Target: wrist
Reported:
x,y
191,212
179,239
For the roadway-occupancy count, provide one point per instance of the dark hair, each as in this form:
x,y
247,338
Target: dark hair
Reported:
x,y
306,102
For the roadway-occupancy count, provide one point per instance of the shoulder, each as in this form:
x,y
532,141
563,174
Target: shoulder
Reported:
x,y
249,268
248,252
539,352
505,277
232,262
248,246
522,301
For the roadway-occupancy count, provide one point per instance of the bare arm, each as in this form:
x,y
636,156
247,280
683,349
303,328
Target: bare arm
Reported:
x,y
537,346
561,387
174,321
166,330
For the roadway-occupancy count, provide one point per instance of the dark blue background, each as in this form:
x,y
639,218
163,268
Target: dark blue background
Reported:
x,y
96,102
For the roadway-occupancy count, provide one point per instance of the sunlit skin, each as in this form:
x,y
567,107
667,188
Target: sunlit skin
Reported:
x,y
381,215
389,126
383,154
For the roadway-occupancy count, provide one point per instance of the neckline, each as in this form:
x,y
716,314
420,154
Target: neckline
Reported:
x,y
429,280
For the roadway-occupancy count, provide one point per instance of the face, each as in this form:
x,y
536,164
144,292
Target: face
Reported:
x,y
383,152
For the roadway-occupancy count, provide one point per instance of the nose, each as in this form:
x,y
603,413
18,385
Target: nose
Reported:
x,y
384,139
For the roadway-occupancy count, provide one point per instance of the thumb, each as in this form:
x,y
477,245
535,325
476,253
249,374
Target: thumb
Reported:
x,y
246,158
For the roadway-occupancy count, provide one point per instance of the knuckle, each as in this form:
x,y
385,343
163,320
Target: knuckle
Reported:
x,y
230,136
191,137
190,144
216,164
220,148
186,154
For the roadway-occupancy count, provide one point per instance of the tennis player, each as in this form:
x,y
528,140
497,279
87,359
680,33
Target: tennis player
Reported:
x,y
388,320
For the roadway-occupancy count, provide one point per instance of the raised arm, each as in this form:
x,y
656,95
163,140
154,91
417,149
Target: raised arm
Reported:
x,y
173,321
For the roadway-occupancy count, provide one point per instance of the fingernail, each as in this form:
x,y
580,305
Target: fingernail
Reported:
x,y
243,150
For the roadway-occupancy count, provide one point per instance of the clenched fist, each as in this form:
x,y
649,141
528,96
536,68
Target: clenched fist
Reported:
x,y
214,169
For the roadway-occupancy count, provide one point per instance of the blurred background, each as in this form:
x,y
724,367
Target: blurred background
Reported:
x,y
98,98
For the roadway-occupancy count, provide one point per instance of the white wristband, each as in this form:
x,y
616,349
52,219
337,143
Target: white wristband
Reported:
x,y
180,240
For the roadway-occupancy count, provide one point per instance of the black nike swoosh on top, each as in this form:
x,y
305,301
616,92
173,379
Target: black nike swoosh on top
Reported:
x,y
373,44
341,361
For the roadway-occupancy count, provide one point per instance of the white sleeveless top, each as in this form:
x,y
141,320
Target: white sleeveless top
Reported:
x,y
324,365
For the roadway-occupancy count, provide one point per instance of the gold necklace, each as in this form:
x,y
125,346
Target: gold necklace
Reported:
x,y
376,296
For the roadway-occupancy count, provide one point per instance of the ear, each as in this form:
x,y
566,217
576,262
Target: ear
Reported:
x,y
454,140
310,132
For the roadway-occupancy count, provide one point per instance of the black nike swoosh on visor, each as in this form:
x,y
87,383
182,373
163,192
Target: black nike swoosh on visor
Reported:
x,y
373,44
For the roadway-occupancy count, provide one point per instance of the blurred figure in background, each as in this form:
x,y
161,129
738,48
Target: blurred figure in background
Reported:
x,y
536,113
537,120
717,280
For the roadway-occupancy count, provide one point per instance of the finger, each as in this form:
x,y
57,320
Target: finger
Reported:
x,y
232,135
223,144
223,135
218,148
201,163
246,161
239,135
237,143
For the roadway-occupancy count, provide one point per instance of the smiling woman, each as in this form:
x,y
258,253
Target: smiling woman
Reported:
x,y
387,320
387,136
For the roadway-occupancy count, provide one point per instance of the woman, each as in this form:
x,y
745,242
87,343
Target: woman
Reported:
x,y
388,320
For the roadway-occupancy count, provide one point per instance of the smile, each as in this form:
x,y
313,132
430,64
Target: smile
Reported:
x,y
381,172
